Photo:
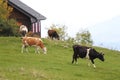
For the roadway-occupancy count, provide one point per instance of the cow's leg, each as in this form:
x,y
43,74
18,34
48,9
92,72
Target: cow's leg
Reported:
x,y
89,62
44,50
52,37
24,47
93,63
74,58
37,49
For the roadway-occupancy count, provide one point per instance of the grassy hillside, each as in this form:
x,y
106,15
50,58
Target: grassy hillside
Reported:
x,y
56,65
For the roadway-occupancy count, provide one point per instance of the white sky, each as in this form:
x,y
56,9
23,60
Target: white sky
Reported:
x,y
75,14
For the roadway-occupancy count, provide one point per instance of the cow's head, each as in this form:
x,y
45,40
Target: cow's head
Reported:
x,y
101,56
55,34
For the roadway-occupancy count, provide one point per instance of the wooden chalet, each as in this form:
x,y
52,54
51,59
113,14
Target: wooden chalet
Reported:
x,y
25,15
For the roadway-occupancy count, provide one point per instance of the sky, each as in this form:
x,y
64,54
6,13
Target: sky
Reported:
x,y
107,33
77,15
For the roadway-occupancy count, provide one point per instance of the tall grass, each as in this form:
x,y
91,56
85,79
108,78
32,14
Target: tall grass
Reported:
x,y
56,65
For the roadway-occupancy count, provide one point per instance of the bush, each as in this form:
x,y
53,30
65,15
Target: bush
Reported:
x,y
8,28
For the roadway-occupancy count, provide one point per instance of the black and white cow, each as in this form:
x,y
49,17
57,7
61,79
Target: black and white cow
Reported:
x,y
86,52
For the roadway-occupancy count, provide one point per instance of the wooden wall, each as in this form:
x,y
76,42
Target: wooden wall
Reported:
x,y
21,18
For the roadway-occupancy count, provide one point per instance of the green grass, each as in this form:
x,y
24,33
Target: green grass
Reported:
x,y
56,65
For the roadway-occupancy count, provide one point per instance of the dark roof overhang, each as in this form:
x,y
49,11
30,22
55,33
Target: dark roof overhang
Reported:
x,y
32,14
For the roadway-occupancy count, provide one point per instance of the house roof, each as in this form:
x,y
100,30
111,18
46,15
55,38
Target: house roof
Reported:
x,y
34,15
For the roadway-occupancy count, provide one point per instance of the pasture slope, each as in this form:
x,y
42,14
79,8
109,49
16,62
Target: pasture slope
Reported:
x,y
56,65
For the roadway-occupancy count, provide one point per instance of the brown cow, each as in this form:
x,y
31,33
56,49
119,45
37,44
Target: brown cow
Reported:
x,y
33,41
53,34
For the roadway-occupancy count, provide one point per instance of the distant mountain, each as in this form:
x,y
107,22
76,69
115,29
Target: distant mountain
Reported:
x,y
107,34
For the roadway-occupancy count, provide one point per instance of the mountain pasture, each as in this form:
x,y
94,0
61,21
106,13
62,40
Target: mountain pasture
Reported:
x,y
55,65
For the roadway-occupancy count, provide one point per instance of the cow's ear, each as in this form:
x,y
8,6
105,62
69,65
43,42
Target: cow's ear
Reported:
x,y
102,53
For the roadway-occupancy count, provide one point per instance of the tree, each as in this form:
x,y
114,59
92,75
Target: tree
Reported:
x,y
8,27
61,30
84,38
5,10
